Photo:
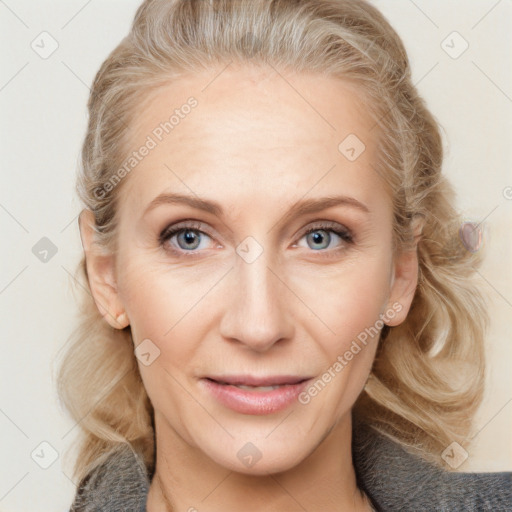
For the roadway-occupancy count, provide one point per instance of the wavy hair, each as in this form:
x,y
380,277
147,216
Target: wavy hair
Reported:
x,y
427,380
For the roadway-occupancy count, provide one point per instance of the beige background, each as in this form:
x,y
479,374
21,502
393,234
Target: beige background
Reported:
x,y
43,105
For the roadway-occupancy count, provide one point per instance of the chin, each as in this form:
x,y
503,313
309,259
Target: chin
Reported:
x,y
260,457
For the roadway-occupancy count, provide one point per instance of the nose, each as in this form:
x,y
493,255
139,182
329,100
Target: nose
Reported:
x,y
258,314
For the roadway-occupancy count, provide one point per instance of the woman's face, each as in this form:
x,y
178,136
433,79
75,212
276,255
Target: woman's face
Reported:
x,y
244,315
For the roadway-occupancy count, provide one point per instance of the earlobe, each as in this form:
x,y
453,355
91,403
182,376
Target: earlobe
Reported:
x,y
101,274
122,320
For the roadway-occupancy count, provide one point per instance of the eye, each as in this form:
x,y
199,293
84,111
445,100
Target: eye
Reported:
x,y
189,237
320,236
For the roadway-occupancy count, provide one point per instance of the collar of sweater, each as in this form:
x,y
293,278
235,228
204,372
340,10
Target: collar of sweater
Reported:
x,y
393,479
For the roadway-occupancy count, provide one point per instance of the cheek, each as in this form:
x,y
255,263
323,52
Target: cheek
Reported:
x,y
161,326
348,298
351,309
158,307
150,293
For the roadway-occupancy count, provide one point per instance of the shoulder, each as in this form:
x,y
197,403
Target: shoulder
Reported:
x,y
393,478
398,480
121,483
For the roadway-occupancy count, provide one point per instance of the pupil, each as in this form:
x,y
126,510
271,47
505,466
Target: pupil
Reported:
x,y
189,237
318,236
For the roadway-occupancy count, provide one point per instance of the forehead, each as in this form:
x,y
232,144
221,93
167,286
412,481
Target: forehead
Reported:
x,y
253,131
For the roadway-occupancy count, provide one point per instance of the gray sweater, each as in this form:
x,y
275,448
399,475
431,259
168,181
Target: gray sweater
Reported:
x,y
394,479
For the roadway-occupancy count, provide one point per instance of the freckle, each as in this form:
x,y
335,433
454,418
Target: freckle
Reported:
x,y
471,236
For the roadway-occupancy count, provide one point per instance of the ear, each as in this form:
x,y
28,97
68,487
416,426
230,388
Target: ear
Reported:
x,y
101,274
405,278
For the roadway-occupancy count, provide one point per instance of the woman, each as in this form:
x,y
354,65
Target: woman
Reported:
x,y
279,294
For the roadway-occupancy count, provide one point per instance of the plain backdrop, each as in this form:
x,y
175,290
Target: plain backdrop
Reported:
x,y
43,120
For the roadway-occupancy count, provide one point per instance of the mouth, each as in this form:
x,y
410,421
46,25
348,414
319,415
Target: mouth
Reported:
x,y
252,395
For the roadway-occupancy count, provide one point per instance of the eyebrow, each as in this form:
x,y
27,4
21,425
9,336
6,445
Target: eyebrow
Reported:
x,y
301,207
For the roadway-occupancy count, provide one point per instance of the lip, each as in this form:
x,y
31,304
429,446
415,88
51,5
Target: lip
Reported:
x,y
255,402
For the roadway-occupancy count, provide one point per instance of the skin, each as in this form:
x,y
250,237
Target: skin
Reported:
x,y
257,142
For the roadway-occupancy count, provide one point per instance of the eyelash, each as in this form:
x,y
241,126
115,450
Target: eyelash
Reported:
x,y
333,227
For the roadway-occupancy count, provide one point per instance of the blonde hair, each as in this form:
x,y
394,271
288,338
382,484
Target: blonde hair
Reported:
x,y
427,379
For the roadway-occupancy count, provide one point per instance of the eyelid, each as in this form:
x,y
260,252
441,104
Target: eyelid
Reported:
x,y
327,225
171,230
183,225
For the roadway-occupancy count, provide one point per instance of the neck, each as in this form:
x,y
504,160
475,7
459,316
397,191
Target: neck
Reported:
x,y
185,479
